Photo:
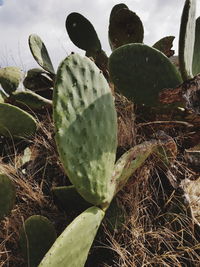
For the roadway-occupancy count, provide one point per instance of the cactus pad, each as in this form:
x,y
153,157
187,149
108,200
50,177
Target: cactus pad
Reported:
x,y
38,80
187,39
40,53
31,100
10,78
164,45
125,27
196,56
7,195
36,238
15,122
130,161
116,8
139,72
86,127
72,246
82,33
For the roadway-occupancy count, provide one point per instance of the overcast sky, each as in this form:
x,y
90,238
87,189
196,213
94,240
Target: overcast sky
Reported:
x,y
20,18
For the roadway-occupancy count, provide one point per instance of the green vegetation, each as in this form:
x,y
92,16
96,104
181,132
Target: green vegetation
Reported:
x,y
62,149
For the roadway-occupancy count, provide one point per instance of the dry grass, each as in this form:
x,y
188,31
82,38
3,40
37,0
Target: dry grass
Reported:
x,y
152,233
33,181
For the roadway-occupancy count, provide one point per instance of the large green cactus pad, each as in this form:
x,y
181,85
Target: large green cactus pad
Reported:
x,y
187,39
82,33
36,238
125,27
10,78
139,72
196,55
72,246
86,127
40,53
15,122
7,195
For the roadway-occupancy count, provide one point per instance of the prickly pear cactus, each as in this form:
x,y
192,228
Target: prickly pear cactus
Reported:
x,y
7,195
10,78
130,161
164,45
40,53
38,80
36,238
82,33
31,100
86,127
187,39
72,246
116,8
139,72
164,148
15,122
196,55
125,27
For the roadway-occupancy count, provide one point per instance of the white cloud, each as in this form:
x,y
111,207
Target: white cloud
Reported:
x,y
20,18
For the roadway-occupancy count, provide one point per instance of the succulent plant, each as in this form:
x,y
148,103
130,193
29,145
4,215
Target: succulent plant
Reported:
x,y
15,122
38,80
7,195
164,45
83,34
125,27
196,54
40,53
116,8
10,77
30,100
72,246
140,72
187,39
86,125
36,238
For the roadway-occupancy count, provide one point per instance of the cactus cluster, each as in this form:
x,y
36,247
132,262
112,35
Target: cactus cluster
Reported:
x,y
85,121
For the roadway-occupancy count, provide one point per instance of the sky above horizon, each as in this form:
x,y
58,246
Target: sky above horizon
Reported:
x,y
20,18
